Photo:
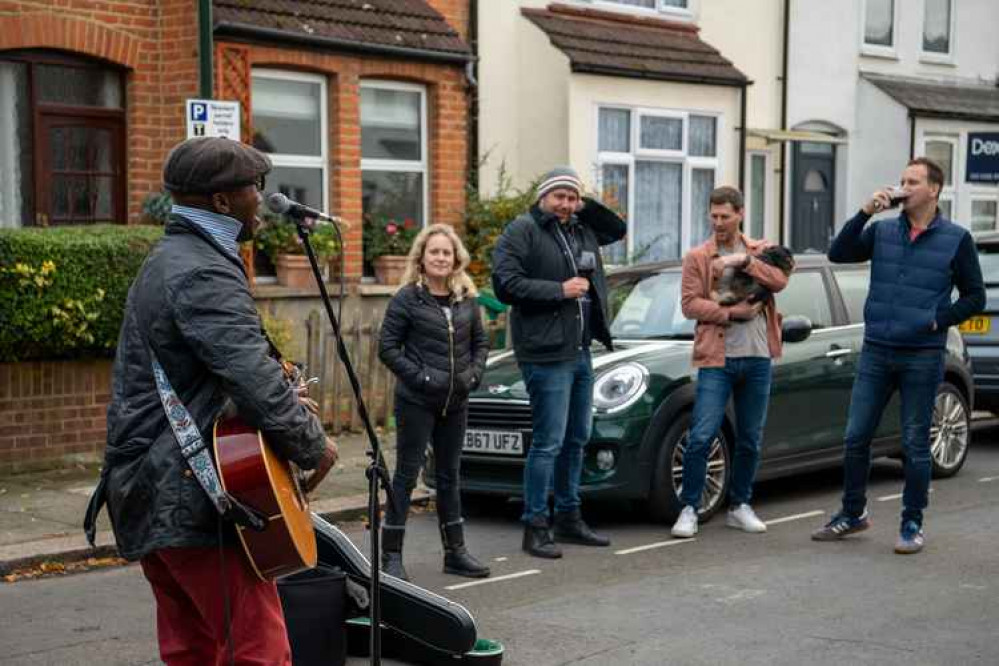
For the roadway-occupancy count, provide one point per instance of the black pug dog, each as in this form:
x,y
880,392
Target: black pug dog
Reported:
x,y
734,286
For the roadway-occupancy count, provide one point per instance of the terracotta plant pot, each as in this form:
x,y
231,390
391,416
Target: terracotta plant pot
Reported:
x,y
389,268
294,270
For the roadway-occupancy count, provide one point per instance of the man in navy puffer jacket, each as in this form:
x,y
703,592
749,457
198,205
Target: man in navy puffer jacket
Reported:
x,y
917,259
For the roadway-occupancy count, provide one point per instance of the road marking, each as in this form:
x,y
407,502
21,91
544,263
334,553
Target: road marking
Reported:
x,y
986,479
888,498
650,546
497,579
500,559
797,516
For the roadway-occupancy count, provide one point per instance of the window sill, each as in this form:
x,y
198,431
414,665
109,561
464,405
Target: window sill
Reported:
x,y
679,14
934,59
277,291
273,290
880,52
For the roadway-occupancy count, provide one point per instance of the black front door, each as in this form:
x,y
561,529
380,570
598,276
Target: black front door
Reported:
x,y
812,223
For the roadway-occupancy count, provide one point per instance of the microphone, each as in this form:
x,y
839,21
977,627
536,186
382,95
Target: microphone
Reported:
x,y
282,205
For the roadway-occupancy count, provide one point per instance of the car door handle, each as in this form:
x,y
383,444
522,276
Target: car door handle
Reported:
x,y
836,353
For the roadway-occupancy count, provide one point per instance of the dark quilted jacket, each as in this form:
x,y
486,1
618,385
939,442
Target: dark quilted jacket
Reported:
x,y
433,369
531,261
191,304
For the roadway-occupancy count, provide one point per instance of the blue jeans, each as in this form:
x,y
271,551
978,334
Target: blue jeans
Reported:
x,y
881,370
747,381
561,415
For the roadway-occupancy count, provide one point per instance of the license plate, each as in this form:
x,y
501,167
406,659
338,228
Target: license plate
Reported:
x,y
976,326
502,442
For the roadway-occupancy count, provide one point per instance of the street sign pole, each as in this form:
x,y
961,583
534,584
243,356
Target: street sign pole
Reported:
x,y
205,48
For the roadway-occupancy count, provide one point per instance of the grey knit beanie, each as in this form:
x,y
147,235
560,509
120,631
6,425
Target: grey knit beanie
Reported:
x,y
560,177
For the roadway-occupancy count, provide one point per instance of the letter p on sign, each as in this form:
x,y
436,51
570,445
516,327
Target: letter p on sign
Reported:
x,y
199,112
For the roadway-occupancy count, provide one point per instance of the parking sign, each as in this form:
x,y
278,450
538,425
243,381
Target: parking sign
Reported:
x,y
209,117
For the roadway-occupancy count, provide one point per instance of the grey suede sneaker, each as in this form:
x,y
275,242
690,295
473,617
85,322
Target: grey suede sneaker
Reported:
x,y
910,538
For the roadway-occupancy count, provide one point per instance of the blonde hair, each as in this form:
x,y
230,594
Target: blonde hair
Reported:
x,y
458,281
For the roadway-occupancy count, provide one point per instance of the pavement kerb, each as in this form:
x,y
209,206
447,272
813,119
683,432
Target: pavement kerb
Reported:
x,y
74,548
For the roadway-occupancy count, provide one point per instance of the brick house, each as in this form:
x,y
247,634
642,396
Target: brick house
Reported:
x,y
363,107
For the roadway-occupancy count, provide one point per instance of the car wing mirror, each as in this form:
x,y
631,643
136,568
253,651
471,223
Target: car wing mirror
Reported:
x,y
796,328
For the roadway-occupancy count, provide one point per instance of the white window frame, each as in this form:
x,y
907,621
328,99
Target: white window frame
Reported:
x,y
939,58
411,166
877,50
638,154
975,197
662,9
665,153
949,192
320,161
767,190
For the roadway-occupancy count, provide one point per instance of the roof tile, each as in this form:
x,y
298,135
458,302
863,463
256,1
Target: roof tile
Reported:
x,y
604,43
973,101
406,23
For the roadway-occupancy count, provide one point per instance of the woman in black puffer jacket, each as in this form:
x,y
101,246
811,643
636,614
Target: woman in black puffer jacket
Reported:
x,y
433,341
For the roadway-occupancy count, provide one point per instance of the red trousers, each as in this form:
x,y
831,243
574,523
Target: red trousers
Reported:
x,y
190,609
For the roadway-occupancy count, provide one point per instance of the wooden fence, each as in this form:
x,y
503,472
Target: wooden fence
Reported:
x,y
337,404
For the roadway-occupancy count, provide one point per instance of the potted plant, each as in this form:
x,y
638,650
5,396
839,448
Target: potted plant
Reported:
x,y
278,238
386,244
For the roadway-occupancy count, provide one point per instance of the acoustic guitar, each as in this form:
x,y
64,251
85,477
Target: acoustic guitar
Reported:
x,y
253,474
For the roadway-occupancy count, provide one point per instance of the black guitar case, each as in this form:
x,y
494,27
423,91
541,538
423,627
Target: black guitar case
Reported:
x,y
420,615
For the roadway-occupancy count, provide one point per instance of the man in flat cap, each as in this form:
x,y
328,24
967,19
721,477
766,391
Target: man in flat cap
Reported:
x,y
547,266
192,339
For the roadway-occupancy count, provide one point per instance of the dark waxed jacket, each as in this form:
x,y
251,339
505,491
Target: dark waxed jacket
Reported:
x,y
192,306
530,263
435,368
912,280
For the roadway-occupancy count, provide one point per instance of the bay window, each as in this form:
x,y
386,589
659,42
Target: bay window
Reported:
x,y
657,168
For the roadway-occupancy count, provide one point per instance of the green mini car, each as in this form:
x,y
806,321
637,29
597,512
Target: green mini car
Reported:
x,y
644,391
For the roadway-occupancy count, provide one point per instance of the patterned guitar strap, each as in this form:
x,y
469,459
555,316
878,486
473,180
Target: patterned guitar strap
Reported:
x,y
195,452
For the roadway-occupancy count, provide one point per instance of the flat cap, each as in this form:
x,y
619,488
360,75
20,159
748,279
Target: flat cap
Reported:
x,y
206,165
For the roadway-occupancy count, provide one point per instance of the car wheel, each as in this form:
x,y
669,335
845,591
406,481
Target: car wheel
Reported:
x,y
667,481
950,431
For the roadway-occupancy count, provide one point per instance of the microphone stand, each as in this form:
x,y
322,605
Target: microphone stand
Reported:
x,y
377,471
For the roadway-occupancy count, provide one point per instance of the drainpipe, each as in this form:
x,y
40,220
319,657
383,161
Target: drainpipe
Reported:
x,y
471,73
742,137
205,64
783,124
912,135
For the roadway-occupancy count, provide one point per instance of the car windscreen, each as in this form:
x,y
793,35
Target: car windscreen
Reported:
x,y
649,308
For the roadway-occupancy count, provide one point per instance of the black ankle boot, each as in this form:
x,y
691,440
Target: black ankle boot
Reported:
x,y
538,540
570,528
457,559
392,538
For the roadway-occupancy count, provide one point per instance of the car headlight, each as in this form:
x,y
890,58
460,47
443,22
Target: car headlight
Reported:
x,y
619,388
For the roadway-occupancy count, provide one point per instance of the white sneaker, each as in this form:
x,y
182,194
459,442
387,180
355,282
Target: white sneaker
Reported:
x,y
686,525
743,518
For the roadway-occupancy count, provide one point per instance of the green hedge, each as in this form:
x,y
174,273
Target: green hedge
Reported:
x,y
63,290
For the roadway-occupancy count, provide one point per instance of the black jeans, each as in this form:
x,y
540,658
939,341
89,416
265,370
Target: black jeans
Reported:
x,y
415,427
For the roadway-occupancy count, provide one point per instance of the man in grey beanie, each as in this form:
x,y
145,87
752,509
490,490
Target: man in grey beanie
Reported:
x,y
547,266
191,318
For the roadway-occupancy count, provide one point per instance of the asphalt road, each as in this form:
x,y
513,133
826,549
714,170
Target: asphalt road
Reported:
x,y
722,598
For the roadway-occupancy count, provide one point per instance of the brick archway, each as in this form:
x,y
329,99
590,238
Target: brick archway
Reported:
x,y
49,31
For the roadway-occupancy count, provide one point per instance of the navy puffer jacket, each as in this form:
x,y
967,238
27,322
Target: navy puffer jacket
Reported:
x,y
912,280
